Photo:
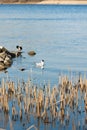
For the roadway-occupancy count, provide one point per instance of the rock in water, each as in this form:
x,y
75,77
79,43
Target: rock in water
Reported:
x,y
6,57
31,53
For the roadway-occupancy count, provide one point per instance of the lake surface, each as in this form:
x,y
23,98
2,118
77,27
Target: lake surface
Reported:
x,y
57,33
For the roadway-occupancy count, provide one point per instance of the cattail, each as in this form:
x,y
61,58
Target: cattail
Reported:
x,y
73,125
7,108
11,126
12,87
59,114
62,113
67,116
13,112
20,114
38,110
43,113
34,93
86,107
3,86
48,89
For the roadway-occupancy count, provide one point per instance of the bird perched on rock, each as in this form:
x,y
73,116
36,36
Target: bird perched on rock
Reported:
x,y
19,48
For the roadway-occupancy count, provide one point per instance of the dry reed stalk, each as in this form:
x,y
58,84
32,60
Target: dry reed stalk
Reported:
x,y
3,87
48,89
34,93
44,103
73,125
20,114
11,126
38,109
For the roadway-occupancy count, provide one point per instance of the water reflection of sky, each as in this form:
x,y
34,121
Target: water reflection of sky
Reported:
x,y
56,33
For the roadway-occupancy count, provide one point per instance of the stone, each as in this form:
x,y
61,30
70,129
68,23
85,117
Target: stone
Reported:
x,y
6,57
31,53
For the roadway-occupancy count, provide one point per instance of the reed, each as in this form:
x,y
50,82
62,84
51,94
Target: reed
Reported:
x,y
46,102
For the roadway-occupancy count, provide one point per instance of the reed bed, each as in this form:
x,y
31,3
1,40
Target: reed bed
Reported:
x,y
63,104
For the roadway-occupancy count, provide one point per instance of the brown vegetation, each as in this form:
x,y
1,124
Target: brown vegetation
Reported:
x,y
44,1
19,1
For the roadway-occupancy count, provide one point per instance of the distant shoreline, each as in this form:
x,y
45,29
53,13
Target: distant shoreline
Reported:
x,y
50,2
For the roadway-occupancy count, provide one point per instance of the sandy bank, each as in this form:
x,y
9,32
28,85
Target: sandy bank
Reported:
x,y
72,2
63,2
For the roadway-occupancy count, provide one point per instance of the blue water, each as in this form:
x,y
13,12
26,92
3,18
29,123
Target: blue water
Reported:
x,y
57,33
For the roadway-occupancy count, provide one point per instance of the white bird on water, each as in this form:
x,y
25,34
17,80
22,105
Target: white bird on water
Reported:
x,y
40,64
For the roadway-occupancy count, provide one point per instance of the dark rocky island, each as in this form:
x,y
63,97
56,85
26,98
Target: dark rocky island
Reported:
x,y
6,57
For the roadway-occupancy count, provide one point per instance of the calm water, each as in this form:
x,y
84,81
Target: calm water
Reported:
x,y
58,34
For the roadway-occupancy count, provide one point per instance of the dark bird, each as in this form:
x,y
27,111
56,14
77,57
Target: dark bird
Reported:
x,y
22,69
19,48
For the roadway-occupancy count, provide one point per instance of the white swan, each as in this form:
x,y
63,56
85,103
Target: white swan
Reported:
x,y
40,64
